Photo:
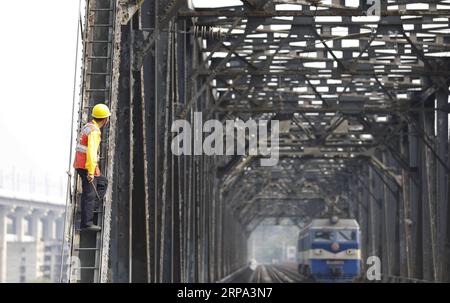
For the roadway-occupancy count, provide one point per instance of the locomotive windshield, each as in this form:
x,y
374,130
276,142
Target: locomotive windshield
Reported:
x,y
338,235
323,236
345,235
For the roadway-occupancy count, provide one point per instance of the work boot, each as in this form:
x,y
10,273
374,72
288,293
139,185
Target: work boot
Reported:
x,y
92,227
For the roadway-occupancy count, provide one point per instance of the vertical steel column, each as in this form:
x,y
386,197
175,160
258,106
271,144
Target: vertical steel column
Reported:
x,y
352,203
442,187
220,225
362,216
137,203
177,177
161,102
394,215
167,177
150,114
416,202
216,230
160,94
365,221
406,217
120,186
377,192
372,216
386,242
428,195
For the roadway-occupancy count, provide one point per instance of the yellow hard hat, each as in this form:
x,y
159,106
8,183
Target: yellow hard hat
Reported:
x,y
101,111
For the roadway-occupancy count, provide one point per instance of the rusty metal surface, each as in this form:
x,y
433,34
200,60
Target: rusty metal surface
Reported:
x,y
358,94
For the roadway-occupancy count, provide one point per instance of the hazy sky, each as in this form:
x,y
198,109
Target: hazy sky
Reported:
x,y
37,60
37,57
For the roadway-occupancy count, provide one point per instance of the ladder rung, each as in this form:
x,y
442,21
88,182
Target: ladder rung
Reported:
x,y
100,25
100,41
88,267
101,9
99,57
96,89
99,74
87,248
92,106
79,230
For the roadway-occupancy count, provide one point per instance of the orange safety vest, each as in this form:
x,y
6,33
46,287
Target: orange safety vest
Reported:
x,y
81,149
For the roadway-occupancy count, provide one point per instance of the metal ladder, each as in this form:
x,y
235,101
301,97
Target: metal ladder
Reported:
x,y
85,247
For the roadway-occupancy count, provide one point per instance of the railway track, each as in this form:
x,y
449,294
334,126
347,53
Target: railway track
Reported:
x,y
283,273
265,273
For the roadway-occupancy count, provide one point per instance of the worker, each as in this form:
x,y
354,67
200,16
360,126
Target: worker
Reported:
x,y
94,185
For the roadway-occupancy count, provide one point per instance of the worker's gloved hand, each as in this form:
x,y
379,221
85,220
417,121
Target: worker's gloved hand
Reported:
x,y
90,178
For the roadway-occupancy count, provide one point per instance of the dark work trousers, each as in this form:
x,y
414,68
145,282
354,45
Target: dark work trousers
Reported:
x,y
89,198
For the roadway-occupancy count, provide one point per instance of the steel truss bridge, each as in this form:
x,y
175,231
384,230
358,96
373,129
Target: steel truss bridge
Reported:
x,y
363,108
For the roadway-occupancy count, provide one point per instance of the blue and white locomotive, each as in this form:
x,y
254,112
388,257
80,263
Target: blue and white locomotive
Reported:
x,y
329,250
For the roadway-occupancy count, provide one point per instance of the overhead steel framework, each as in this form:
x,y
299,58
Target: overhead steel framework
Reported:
x,y
361,92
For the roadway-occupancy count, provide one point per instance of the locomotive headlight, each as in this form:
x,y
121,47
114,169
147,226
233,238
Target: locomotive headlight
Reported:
x,y
350,252
318,252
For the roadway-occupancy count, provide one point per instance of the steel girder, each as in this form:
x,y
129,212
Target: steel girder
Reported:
x,y
350,88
